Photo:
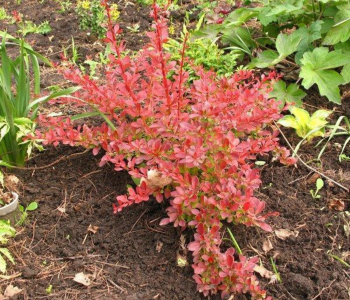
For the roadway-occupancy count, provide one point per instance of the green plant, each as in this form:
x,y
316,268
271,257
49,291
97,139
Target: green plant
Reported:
x,y
17,111
30,207
274,268
26,27
310,35
205,53
234,241
319,185
74,55
305,126
49,289
3,14
6,231
337,130
92,16
135,28
65,5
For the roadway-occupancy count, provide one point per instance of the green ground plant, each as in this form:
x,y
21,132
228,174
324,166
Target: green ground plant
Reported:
x,y
92,16
306,126
309,35
6,232
27,27
319,185
19,80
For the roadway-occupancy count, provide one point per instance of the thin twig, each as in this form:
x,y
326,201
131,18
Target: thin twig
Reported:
x,y
53,163
117,286
306,165
325,288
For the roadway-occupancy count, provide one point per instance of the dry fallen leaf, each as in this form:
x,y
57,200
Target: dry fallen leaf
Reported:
x,y
159,246
313,178
92,228
61,209
267,246
336,204
266,273
155,180
286,233
11,291
82,278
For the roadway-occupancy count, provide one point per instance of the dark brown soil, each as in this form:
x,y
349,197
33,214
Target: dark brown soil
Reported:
x,y
130,256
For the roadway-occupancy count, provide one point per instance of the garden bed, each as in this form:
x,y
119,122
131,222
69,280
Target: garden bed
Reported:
x,y
129,256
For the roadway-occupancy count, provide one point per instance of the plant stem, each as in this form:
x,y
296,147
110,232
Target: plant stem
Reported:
x,y
306,165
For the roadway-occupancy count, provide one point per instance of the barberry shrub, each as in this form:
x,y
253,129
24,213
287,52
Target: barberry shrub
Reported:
x,y
200,140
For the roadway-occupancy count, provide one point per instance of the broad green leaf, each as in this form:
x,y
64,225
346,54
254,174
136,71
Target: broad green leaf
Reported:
x,y
32,206
302,117
266,59
292,94
346,73
307,36
315,70
287,44
288,121
321,114
340,32
319,183
238,17
209,32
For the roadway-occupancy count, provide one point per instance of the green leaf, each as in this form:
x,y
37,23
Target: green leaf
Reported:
x,y
319,183
287,44
315,70
4,127
7,254
340,32
288,121
307,36
346,73
292,94
32,206
3,265
302,117
266,59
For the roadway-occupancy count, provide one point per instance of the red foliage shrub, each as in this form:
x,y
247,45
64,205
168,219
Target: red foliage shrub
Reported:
x,y
199,140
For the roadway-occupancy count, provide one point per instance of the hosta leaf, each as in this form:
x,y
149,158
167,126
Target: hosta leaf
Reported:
x,y
321,114
292,94
314,70
302,117
340,32
288,121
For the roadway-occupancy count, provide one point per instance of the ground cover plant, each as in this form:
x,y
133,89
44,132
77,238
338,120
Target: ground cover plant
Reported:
x,y
194,143
312,36
129,256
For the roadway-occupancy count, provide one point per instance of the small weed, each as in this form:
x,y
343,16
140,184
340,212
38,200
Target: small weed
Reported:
x,y
31,207
6,231
234,242
49,289
27,27
278,277
319,185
